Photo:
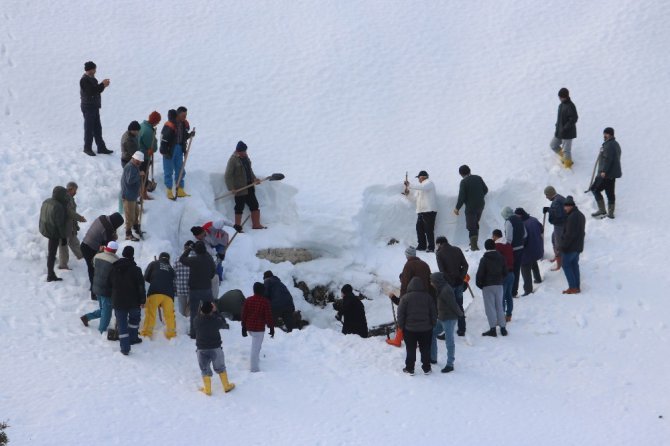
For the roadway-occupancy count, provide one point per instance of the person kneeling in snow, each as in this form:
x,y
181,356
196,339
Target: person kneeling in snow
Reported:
x,y
209,351
256,314
128,295
280,299
160,276
351,312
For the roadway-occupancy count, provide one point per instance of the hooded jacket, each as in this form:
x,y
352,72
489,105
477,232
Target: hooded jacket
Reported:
x,y
447,308
556,212
127,285
451,262
417,311
353,313
414,267
102,231
53,215
492,269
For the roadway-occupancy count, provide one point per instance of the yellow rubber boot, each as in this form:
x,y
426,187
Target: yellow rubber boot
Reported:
x,y
227,386
181,193
207,388
567,163
170,195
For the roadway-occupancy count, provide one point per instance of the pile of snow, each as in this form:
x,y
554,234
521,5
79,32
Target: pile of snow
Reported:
x,y
343,98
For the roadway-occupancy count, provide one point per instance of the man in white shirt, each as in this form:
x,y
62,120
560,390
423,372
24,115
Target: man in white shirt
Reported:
x,y
426,211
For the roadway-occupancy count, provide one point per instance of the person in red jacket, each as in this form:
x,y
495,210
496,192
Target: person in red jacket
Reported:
x,y
256,314
505,249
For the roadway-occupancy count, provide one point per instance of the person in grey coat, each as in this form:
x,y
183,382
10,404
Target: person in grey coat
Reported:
x,y
448,312
566,128
130,143
557,219
490,277
71,228
131,182
609,169
417,314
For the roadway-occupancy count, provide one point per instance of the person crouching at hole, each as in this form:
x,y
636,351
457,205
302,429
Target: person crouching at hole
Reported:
x,y
209,351
281,301
256,314
417,315
201,270
161,278
351,312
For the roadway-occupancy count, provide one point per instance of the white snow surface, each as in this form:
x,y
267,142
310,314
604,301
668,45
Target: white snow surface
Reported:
x,y
343,97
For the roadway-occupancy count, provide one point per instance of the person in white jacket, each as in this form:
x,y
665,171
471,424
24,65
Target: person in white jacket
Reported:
x,y
426,211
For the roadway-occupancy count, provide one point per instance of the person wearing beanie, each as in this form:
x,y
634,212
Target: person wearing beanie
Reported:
x,y
351,312
256,315
532,251
426,211
208,348
471,193
572,244
240,180
148,145
448,313
215,238
100,233
201,271
181,289
71,229
566,128
505,250
130,142
89,92
609,169
102,264
281,301
557,219
128,295
451,262
417,314
131,182
490,277
53,226
516,235
160,276
414,267
174,138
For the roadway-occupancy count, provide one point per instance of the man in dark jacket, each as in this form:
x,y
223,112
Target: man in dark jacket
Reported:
x,y
490,276
101,232
89,91
201,270
52,225
471,193
160,276
128,295
351,312
239,174
516,235
557,219
103,263
209,351
566,128
609,168
231,302
448,312
572,244
280,299
532,251
417,314
130,143
451,262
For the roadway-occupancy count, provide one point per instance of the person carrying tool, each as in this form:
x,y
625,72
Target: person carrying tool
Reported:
x,y
238,177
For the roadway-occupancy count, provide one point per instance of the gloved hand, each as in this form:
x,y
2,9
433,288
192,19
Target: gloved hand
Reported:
x,y
63,242
545,209
244,332
272,332
237,228
221,255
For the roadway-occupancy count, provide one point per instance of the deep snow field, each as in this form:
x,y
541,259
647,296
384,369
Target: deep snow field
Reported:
x,y
343,97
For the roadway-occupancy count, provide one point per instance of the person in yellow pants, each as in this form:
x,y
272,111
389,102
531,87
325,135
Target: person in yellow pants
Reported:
x,y
160,276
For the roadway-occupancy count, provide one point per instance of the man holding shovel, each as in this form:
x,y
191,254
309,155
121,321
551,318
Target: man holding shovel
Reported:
x,y
240,179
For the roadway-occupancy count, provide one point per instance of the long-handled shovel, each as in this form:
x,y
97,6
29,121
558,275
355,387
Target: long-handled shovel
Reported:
x,y
273,177
593,174
181,171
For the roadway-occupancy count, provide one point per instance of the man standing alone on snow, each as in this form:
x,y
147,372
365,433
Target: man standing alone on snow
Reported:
x,y
71,228
572,244
557,218
426,211
53,216
131,182
451,262
89,91
566,128
471,193
609,168
239,175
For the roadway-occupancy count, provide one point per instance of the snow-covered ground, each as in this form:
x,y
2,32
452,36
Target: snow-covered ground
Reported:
x,y
343,97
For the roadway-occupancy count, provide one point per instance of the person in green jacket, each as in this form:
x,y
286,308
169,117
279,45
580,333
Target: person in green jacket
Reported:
x,y
53,219
471,193
148,144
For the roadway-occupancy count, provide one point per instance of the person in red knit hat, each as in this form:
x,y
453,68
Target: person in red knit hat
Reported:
x,y
256,314
148,144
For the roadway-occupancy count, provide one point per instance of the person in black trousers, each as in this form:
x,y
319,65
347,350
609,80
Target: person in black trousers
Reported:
x,y
89,91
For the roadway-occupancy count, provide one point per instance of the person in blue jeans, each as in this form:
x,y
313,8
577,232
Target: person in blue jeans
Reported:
x,y
505,249
572,244
102,264
448,313
128,295
174,136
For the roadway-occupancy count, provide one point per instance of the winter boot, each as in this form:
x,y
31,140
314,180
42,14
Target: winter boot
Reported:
x,y
89,152
610,210
256,220
84,320
559,262
131,237
181,193
601,212
207,388
508,318
567,163
53,278
170,194
397,341
447,369
491,332
104,151
227,386
238,223
503,331
473,243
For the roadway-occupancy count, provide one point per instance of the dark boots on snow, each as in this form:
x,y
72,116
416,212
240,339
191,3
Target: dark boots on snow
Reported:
x,y
473,243
491,332
610,210
601,212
